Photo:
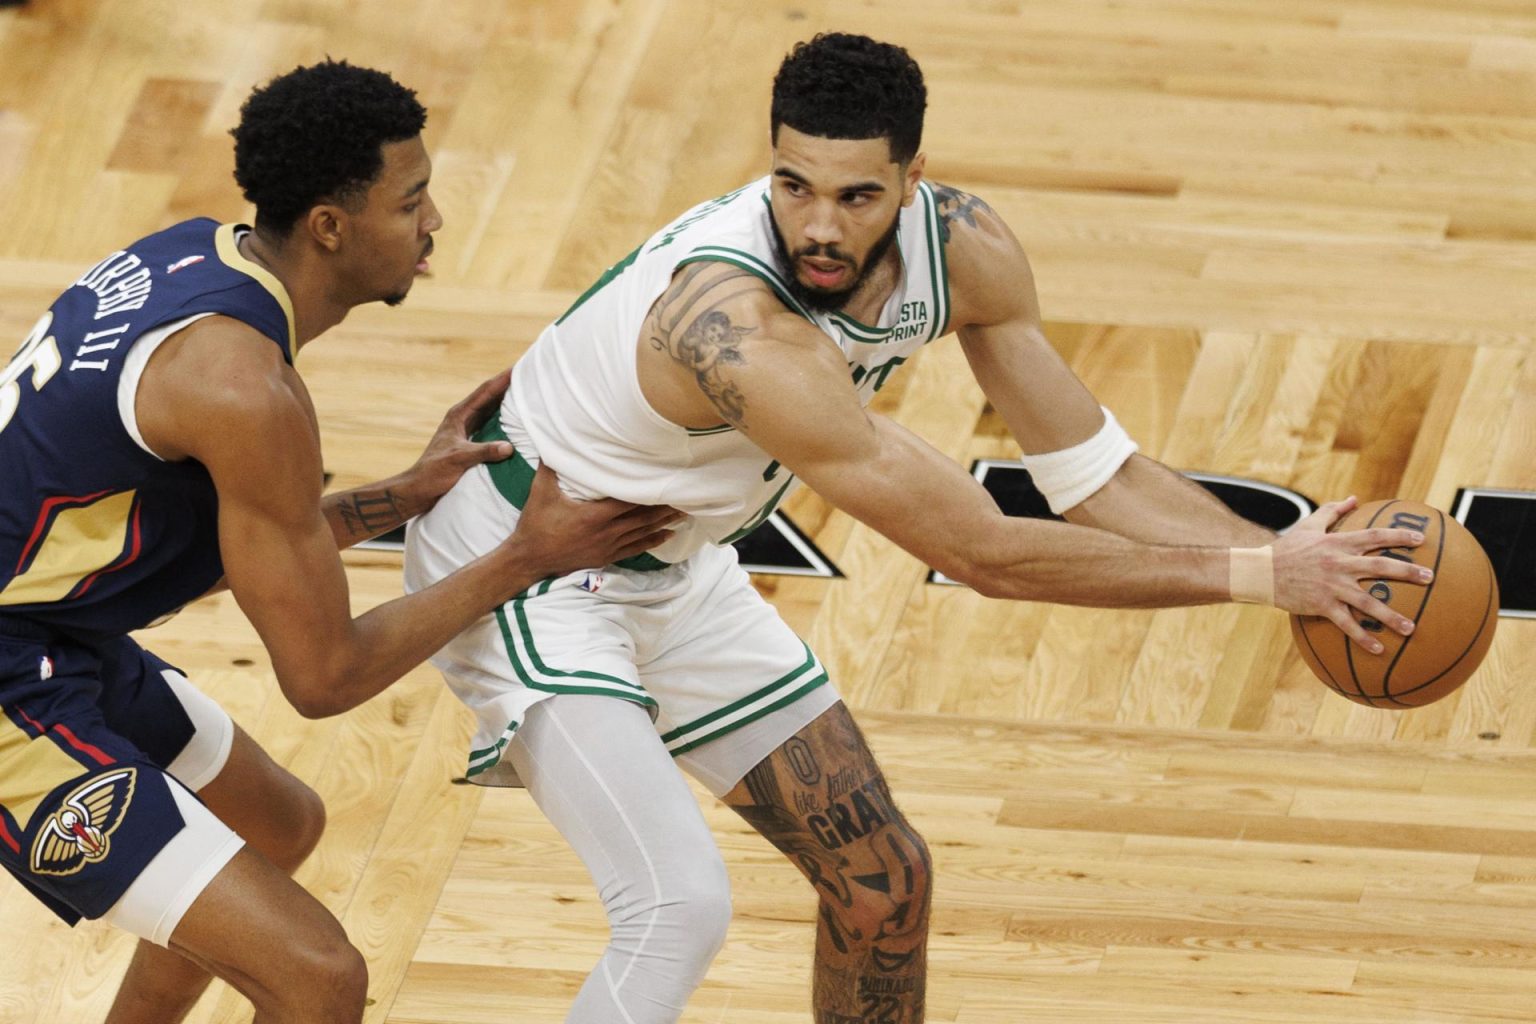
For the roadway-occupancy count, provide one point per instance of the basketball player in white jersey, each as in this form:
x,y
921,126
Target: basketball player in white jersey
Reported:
x,y
730,354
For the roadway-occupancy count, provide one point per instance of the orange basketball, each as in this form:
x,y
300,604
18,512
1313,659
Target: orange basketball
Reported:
x,y
1455,614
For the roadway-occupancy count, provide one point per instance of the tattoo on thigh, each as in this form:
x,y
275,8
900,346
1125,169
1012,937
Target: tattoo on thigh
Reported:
x,y
824,803
802,761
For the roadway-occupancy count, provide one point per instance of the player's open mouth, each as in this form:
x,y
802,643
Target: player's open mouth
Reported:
x,y
828,276
422,266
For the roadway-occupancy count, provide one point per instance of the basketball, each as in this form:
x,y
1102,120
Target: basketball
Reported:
x,y
1455,614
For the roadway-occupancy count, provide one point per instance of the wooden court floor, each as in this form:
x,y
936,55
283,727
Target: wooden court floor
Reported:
x,y
1292,242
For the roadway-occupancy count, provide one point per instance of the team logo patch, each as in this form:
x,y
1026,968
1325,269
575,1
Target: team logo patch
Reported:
x,y
80,831
186,261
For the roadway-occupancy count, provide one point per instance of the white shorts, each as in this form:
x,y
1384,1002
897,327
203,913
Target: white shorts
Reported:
x,y
694,643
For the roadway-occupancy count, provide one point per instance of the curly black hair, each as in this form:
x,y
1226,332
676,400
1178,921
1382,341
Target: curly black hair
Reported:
x,y
314,134
842,86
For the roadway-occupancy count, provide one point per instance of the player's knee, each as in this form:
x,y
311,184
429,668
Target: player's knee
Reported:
x,y
704,911
308,823
332,979
299,825
898,904
687,911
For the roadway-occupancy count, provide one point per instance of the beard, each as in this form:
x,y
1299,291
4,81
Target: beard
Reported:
x,y
825,300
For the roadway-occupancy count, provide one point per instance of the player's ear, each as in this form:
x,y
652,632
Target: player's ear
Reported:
x,y
913,178
326,223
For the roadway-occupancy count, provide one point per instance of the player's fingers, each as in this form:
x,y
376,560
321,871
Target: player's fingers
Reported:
x,y
639,528
1326,515
1380,567
490,451
1358,634
1372,607
644,543
1380,537
476,408
608,510
642,517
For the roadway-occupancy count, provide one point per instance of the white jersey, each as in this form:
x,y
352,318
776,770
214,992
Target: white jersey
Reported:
x,y
576,402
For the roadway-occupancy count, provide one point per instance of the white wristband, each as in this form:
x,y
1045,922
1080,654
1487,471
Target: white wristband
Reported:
x,y
1252,575
1071,475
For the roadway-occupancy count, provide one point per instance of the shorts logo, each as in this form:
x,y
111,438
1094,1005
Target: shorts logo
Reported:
x,y
79,832
592,582
45,667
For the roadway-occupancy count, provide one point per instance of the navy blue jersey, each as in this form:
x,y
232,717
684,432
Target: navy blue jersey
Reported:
x,y
97,534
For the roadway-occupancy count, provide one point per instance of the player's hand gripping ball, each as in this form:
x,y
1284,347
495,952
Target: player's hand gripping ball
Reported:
x,y
1454,616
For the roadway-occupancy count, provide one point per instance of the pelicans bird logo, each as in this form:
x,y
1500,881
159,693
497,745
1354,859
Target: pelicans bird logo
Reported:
x,y
80,831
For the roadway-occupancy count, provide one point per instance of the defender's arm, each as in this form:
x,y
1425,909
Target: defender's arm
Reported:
x,y
360,513
225,394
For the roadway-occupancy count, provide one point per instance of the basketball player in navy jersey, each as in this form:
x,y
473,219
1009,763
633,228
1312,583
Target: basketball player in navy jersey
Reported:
x,y
156,440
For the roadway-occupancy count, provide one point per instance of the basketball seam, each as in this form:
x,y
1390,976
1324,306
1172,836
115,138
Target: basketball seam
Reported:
x,y
1487,606
1386,679
1349,645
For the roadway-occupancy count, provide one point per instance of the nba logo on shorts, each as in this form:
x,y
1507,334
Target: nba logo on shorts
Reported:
x,y
45,667
592,582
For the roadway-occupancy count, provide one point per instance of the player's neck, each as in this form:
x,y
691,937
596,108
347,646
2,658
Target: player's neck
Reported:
x,y
315,308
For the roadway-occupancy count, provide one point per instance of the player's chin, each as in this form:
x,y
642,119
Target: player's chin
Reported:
x,y
396,297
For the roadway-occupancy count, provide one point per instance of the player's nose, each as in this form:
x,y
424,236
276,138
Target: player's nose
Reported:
x,y
433,220
822,228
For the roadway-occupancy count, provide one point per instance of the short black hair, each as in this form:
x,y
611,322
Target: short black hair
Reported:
x,y
842,86
314,134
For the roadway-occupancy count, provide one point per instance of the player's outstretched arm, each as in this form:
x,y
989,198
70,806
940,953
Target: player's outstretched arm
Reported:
x,y
786,386
1046,406
279,550
360,513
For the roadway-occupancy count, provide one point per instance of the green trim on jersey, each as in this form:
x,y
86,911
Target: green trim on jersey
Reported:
x,y
598,285
513,479
750,263
859,331
938,264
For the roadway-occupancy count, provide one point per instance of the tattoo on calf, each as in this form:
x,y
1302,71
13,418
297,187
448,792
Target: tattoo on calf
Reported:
x,y
365,515
955,205
706,342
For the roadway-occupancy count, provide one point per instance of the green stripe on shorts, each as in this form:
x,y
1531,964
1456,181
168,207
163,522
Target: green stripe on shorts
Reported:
x,y
552,679
785,690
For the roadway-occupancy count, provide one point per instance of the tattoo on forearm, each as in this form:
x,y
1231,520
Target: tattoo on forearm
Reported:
x,y
689,324
365,515
955,205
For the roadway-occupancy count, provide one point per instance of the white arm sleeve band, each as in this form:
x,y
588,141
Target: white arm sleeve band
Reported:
x,y
1069,476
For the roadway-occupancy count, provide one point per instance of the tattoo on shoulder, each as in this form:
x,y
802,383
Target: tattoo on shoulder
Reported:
x,y
689,324
955,205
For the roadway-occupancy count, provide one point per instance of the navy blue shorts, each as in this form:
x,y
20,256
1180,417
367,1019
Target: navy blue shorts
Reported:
x,y
87,731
